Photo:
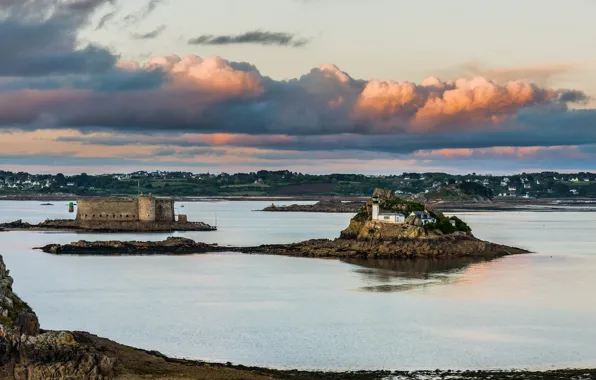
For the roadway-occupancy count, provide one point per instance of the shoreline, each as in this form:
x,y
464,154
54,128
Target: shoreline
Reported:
x,y
240,371
505,205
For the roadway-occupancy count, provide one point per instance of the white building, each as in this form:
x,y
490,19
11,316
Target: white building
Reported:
x,y
424,216
386,217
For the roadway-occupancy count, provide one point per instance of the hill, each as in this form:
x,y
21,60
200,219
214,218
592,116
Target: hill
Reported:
x,y
462,192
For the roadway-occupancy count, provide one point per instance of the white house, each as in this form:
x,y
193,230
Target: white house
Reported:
x,y
575,179
512,188
424,216
386,217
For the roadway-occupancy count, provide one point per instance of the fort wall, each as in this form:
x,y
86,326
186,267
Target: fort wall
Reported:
x,y
107,209
164,210
146,208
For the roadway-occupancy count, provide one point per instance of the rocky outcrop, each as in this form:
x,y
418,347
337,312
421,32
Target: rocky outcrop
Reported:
x,y
26,353
417,245
402,248
107,226
170,246
328,206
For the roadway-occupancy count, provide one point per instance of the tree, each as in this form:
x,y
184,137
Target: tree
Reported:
x,y
60,179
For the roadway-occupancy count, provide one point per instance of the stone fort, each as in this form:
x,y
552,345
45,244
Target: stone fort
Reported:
x,y
145,208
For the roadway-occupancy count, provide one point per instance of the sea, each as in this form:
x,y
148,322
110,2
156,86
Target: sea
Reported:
x,y
531,311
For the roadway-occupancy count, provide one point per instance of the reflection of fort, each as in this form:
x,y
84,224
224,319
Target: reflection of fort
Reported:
x,y
142,209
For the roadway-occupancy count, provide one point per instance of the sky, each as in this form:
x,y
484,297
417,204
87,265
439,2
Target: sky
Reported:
x,y
318,86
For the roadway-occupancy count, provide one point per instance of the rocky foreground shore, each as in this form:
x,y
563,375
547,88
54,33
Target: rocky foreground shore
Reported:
x,y
328,206
105,226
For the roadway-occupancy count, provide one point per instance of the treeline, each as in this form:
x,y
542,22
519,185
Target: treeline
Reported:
x,y
285,182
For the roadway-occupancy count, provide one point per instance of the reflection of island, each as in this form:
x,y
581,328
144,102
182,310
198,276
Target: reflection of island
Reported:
x,y
423,269
409,274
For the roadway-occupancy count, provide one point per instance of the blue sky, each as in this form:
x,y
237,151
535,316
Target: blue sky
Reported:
x,y
481,51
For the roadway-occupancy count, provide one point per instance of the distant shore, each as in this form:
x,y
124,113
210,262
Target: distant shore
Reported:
x,y
511,204
73,197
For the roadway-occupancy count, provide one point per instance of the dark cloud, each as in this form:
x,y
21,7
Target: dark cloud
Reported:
x,y
43,39
143,13
105,19
149,35
253,37
574,97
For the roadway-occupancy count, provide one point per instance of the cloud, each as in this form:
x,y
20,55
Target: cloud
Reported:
x,y
193,108
105,19
43,38
149,35
213,95
143,13
253,37
542,75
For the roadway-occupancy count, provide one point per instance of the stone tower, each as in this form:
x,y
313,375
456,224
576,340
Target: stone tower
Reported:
x,y
146,208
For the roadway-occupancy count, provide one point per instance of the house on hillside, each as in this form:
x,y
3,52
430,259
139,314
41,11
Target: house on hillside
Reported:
x,y
424,216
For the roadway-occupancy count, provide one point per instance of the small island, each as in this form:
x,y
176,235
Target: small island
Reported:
x,y
327,206
170,246
140,214
386,227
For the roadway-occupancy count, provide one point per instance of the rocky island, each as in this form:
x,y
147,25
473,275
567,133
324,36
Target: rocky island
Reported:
x,y
141,214
379,230
329,206
170,246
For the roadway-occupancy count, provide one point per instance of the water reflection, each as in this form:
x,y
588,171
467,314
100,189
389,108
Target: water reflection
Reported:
x,y
404,275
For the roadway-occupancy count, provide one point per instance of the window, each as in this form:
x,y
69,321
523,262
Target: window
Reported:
x,y
386,218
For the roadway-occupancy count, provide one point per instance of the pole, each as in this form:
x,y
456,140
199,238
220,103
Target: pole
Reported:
x,y
138,187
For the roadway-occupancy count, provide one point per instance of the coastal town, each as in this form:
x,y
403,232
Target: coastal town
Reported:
x,y
288,183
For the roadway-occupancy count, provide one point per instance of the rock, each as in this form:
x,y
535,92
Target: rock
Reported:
x,y
170,246
27,323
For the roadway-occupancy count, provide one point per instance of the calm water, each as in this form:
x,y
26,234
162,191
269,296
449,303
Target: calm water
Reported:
x,y
529,311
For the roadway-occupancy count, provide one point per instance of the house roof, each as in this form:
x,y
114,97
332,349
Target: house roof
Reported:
x,y
422,214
